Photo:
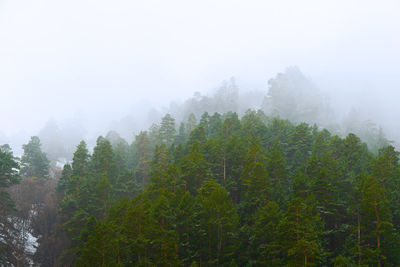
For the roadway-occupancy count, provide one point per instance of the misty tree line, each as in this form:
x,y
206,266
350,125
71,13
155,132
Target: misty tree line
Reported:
x,y
290,96
208,189
215,191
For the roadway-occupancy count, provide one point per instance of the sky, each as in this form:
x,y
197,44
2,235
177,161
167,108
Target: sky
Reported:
x,y
100,60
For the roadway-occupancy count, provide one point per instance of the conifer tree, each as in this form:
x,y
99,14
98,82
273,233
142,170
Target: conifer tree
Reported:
x,y
34,162
142,157
265,238
102,161
255,180
80,160
376,222
218,221
195,169
276,168
9,176
299,146
167,130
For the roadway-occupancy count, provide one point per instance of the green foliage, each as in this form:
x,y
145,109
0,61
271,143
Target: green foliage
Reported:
x,y
102,161
195,169
167,130
224,191
265,239
8,177
300,234
34,162
8,167
255,179
217,223
142,152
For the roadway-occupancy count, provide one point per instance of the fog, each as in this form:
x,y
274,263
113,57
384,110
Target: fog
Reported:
x,y
86,67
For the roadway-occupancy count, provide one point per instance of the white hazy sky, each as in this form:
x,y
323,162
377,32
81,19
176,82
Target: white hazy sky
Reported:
x,y
98,57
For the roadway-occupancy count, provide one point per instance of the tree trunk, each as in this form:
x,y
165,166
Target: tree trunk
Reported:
x,y
305,260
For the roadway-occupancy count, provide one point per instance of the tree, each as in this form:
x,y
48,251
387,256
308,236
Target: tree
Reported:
x,y
65,178
80,160
299,146
255,180
376,223
218,222
8,176
8,167
102,162
167,129
265,238
191,123
253,129
195,169
292,96
276,168
120,150
299,234
34,162
142,151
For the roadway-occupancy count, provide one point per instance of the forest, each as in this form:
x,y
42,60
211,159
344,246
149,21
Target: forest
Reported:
x,y
170,133
219,191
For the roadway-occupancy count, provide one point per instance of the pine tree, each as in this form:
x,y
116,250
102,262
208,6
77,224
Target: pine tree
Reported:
x,y
215,124
276,168
102,161
184,209
205,123
299,234
8,167
167,129
299,146
66,174
265,239
253,129
255,180
218,222
142,157
8,177
34,162
376,221
191,123
195,169
80,160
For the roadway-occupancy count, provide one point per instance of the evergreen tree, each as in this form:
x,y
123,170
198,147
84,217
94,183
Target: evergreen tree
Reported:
x,y
66,174
34,162
299,146
8,167
276,168
102,161
80,160
8,177
299,234
195,169
217,223
142,157
205,123
191,123
167,130
265,239
255,180
377,225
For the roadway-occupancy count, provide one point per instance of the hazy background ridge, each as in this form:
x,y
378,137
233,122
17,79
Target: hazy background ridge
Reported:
x,y
97,65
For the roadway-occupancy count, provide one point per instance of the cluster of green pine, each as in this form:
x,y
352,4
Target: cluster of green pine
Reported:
x,y
224,191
